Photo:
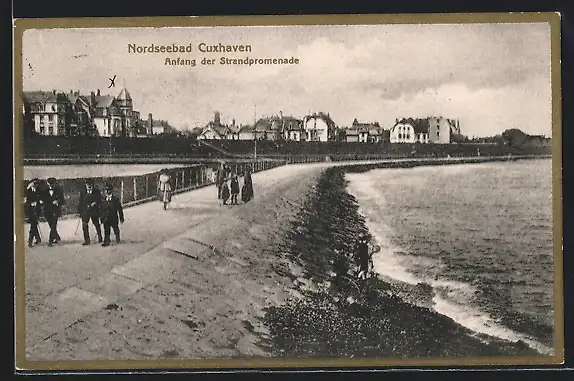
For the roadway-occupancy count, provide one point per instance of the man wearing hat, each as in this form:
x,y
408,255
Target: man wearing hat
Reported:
x,y
53,199
89,209
33,210
111,214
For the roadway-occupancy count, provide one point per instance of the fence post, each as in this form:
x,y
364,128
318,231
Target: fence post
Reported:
x,y
146,186
135,189
176,177
183,178
122,192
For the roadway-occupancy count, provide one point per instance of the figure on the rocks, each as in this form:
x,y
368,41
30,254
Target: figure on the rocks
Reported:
x,y
112,214
362,255
53,200
89,209
33,210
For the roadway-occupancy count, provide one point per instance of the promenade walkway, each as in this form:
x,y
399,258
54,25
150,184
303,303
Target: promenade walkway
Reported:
x,y
68,281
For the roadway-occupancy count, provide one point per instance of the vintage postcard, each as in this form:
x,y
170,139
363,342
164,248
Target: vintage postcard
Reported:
x,y
288,191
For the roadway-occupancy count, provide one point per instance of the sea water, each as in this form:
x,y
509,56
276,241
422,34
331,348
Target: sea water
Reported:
x,y
479,234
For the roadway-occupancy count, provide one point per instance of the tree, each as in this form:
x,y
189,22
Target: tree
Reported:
x,y
514,137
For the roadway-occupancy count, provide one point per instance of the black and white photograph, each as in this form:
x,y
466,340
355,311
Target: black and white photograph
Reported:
x,y
200,194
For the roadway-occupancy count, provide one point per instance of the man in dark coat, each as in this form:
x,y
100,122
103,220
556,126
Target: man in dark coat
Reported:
x,y
53,200
220,179
33,210
111,213
89,209
234,189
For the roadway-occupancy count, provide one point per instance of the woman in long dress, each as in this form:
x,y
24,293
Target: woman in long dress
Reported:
x,y
247,189
165,188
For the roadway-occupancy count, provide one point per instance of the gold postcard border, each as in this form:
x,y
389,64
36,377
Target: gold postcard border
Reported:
x,y
552,18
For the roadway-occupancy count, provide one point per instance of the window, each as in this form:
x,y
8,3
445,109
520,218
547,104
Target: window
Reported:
x,y
408,136
50,130
50,117
53,108
42,130
400,136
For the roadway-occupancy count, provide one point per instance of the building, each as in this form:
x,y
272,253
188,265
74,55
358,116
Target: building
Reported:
x,y
319,127
434,130
48,112
81,118
262,130
155,127
364,132
291,128
73,114
113,115
246,133
408,130
441,130
215,130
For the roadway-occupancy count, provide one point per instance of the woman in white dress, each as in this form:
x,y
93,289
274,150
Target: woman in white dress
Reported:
x,y
165,189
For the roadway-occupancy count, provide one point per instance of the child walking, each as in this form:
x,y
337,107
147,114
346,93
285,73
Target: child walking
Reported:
x,y
234,189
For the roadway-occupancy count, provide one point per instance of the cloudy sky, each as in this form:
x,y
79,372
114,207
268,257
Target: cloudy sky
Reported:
x,y
489,76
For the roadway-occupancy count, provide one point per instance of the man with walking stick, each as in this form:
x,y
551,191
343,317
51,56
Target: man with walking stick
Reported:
x,y
89,209
53,200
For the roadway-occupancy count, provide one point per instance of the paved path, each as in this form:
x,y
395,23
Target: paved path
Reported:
x,y
69,281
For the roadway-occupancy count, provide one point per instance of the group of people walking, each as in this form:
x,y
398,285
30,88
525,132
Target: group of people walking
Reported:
x,y
46,198
230,184
102,209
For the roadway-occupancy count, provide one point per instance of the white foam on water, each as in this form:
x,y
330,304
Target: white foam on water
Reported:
x,y
452,298
480,322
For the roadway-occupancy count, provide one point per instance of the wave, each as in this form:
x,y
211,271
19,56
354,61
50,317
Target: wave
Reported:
x,y
453,299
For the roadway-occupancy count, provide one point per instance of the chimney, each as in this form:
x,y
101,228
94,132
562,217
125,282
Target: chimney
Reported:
x,y
93,98
281,114
233,122
72,92
150,124
98,92
54,92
